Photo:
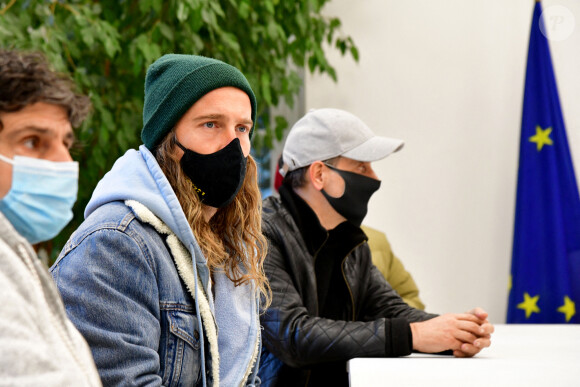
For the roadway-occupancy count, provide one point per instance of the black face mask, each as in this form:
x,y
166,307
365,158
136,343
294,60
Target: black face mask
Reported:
x,y
216,177
358,189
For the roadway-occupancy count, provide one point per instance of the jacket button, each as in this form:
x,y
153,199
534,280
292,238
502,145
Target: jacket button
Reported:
x,y
196,335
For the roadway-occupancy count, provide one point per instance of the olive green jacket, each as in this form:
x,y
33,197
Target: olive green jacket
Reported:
x,y
392,268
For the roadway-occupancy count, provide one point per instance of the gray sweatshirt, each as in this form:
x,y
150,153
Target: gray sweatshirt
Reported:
x,y
39,346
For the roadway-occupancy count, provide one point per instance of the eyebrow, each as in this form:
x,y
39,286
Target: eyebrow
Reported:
x,y
220,117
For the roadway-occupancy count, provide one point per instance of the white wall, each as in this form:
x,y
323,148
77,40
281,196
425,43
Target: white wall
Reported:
x,y
447,77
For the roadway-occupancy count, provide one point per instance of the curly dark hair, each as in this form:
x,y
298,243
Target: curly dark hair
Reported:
x,y
26,78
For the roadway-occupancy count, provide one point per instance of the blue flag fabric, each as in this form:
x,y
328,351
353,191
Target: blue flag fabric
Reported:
x,y
545,273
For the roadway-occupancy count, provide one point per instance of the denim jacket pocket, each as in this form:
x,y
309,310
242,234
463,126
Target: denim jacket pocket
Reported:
x,y
180,348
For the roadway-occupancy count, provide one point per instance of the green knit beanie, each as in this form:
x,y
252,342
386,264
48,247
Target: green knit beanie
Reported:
x,y
175,82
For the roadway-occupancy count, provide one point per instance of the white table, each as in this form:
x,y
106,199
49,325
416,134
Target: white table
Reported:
x,y
519,355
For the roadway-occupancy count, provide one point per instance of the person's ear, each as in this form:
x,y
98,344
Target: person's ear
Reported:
x,y
317,174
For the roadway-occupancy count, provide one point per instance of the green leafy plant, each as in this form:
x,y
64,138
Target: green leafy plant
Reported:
x,y
107,46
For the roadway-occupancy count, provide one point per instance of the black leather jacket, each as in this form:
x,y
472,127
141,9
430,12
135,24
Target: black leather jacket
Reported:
x,y
299,345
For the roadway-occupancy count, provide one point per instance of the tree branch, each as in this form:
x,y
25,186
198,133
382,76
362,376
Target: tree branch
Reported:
x,y
5,9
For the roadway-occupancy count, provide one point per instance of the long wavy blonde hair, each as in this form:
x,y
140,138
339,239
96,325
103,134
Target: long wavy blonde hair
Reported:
x,y
233,239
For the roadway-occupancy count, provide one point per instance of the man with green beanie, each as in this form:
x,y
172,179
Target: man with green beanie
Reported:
x,y
164,276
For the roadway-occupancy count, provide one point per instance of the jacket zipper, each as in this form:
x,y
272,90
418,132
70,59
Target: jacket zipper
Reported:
x,y
346,281
309,372
315,258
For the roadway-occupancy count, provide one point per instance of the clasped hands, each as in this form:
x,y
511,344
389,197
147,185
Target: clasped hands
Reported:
x,y
466,334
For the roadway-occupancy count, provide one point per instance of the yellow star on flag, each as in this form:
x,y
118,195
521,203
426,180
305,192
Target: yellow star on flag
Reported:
x,y
529,304
568,308
542,137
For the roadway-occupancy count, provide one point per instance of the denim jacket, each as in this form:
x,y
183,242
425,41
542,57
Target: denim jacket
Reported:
x,y
131,287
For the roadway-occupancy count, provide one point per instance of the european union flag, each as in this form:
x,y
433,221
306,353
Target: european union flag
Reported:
x,y
545,274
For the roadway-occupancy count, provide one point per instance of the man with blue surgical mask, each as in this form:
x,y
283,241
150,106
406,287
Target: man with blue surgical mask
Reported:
x,y
38,187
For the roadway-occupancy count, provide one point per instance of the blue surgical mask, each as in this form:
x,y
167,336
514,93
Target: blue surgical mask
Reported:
x,y
39,203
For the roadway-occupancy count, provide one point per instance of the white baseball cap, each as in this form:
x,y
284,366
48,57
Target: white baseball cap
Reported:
x,y
323,134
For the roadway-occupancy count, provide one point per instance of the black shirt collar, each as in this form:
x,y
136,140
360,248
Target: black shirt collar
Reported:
x,y
313,233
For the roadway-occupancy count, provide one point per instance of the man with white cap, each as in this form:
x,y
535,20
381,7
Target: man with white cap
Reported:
x,y
329,302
